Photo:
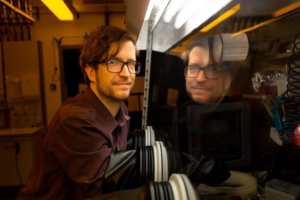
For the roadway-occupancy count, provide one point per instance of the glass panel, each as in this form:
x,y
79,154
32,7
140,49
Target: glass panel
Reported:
x,y
247,116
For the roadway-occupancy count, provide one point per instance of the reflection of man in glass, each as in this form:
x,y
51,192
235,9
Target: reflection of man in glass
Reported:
x,y
207,84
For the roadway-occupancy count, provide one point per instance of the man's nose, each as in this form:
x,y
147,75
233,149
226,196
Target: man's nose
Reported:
x,y
201,76
125,72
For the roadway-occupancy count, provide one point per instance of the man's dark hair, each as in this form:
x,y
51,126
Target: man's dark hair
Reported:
x,y
198,42
231,68
97,46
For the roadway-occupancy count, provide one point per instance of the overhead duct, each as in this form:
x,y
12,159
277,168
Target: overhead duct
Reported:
x,y
96,6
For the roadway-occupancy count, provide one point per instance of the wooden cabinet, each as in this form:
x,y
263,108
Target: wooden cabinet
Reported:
x,y
19,149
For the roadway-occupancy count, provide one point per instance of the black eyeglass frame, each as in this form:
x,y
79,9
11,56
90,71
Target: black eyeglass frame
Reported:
x,y
204,70
106,60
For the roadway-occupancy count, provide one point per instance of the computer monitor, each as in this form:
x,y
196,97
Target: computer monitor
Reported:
x,y
222,130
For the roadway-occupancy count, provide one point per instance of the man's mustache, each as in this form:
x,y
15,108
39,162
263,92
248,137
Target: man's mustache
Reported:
x,y
122,82
201,87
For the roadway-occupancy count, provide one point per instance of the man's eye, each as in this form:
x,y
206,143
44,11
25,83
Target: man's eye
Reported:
x,y
193,67
132,63
113,62
214,69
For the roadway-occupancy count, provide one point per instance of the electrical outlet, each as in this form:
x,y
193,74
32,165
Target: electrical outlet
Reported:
x,y
53,87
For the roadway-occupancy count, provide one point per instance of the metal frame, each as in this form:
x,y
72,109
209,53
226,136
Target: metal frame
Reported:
x,y
147,75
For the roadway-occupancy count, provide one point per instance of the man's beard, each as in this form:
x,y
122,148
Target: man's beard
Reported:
x,y
109,93
209,100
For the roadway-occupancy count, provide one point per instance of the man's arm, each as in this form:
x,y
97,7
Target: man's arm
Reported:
x,y
83,152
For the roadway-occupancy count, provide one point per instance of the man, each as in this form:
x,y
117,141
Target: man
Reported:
x,y
207,84
87,128
206,81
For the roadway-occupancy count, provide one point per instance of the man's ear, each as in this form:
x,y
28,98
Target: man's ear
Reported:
x,y
91,73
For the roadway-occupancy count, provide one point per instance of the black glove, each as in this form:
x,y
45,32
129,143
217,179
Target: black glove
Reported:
x,y
206,169
121,172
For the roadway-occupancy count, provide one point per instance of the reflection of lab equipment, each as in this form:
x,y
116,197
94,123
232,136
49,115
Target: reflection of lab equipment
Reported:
x,y
227,48
223,130
285,109
133,168
297,136
178,187
276,116
291,101
270,82
240,185
280,190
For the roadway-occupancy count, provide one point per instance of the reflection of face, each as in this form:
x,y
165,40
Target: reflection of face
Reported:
x,y
116,86
201,89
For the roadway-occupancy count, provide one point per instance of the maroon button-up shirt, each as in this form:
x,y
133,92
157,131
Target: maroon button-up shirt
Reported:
x,y
76,151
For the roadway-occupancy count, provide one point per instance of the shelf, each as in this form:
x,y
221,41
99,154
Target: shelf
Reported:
x,y
23,99
278,56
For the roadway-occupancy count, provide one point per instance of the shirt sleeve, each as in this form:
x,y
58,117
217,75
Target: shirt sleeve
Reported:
x,y
83,152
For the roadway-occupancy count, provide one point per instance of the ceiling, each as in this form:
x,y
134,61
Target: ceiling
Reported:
x,y
249,8
136,9
252,8
88,6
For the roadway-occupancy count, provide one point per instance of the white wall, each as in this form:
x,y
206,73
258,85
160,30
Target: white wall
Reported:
x,y
47,27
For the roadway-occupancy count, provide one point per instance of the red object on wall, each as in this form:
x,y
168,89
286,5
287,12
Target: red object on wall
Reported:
x,y
297,136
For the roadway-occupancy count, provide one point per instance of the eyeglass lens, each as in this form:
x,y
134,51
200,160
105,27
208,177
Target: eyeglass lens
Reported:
x,y
209,71
116,66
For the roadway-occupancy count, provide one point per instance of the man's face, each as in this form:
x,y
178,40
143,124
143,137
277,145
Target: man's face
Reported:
x,y
201,89
116,86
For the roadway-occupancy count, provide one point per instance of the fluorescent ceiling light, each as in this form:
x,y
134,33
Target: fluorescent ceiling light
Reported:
x,y
159,8
277,14
172,9
286,9
59,9
149,9
188,11
221,18
207,10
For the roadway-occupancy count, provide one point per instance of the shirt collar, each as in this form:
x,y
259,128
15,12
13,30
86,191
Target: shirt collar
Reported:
x,y
110,122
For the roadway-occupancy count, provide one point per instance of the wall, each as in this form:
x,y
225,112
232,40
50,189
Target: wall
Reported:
x,y
23,92
47,27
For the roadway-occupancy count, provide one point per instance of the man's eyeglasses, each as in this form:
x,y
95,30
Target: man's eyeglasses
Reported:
x,y
116,66
210,72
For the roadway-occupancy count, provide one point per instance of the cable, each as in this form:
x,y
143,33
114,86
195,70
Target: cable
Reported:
x,y
17,145
291,101
271,168
55,75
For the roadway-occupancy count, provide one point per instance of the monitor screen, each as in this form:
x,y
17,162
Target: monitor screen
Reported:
x,y
222,130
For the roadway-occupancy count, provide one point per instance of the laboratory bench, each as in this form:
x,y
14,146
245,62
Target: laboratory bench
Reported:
x,y
19,148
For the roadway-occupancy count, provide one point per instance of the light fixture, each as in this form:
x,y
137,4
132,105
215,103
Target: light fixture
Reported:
x,y
286,9
149,9
221,18
188,18
59,9
187,12
159,8
207,10
154,12
172,9
276,16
